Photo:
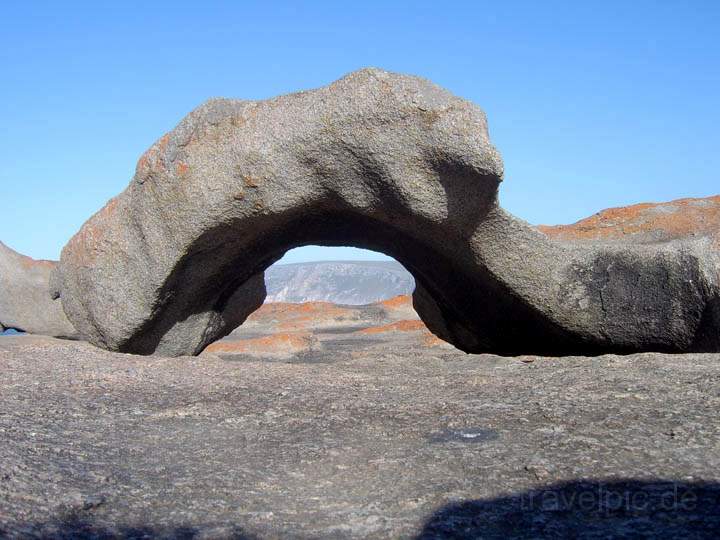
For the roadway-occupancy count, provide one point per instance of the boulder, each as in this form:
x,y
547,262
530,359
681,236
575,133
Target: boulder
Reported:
x,y
381,161
679,222
646,223
26,300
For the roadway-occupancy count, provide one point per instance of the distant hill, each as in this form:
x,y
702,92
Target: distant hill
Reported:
x,y
340,282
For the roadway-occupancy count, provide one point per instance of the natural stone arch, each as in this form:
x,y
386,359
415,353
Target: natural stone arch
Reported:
x,y
375,160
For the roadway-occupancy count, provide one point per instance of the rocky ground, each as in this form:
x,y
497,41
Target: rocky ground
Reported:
x,y
326,421
326,332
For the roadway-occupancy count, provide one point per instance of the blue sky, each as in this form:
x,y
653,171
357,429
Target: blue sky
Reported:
x,y
592,104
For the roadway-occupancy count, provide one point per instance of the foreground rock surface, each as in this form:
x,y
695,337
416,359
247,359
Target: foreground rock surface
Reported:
x,y
26,300
382,161
393,444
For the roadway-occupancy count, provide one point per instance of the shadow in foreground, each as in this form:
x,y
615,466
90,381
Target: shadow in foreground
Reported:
x,y
74,527
578,509
587,509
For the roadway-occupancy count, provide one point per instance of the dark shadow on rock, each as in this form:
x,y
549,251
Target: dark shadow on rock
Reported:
x,y
587,509
85,528
577,509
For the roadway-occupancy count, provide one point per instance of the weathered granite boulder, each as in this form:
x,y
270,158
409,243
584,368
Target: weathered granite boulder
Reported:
x,y
646,223
26,300
376,160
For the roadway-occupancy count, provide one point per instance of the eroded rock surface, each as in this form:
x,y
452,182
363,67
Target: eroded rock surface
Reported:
x,y
27,301
395,442
378,160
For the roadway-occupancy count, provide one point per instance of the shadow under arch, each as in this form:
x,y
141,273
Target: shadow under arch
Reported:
x,y
451,287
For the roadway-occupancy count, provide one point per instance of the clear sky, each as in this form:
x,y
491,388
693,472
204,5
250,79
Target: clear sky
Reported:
x,y
592,104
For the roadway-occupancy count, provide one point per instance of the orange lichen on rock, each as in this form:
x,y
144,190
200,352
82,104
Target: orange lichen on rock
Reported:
x,y
273,309
152,160
29,263
182,169
92,233
398,302
675,219
297,324
299,316
251,181
276,344
143,163
397,326
431,340
428,338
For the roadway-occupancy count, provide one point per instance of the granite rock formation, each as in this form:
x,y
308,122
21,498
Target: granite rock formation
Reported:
x,y
27,302
646,223
382,161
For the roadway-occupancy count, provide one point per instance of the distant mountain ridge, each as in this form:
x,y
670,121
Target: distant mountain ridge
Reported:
x,y
340,282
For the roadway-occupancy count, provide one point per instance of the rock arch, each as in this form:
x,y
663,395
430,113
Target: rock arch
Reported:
x,y
377,160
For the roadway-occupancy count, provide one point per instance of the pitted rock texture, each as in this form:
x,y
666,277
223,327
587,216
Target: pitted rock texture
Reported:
x,y
27,302
377,160
393,442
